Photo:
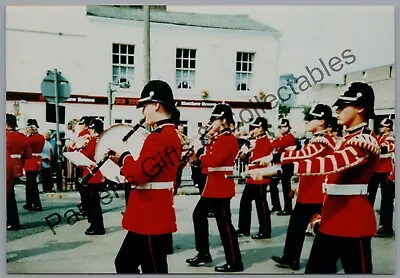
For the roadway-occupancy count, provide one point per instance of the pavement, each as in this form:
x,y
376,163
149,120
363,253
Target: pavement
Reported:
x,y
36,249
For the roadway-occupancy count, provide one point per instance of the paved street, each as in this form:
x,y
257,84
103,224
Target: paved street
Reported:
x,y
35,249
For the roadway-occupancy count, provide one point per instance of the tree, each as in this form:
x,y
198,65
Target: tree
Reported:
x,y
284,110
306,110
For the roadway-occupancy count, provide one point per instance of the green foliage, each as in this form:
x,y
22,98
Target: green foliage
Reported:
x,y
306,111
284,110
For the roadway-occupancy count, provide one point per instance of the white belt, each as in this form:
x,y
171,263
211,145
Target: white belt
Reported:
x,y
345,189
220,169
37,154
15,156
386,155
156,185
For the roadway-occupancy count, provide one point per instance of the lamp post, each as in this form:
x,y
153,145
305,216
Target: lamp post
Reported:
x,y
112,88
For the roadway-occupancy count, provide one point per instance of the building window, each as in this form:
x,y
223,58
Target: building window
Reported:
x,y
185,68
123,61
128,121
118,121
244,71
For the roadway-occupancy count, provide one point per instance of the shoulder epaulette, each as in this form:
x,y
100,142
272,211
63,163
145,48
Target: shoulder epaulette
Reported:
x,y
321,140
365,141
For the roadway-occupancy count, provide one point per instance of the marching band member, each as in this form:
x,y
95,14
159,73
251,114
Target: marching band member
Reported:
x,y
309,192
348,220
256,190
33,166
18,146
380,177
95,183
150,215
80,143
219,157
285,140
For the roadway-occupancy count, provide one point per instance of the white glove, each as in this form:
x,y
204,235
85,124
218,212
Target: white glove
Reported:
x,y
261,173
263,161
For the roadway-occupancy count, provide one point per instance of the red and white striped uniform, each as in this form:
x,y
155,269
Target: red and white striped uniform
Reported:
x,y
346,210
310,187
385,161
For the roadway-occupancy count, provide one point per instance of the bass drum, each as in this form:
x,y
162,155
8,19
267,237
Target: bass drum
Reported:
x,y
113,136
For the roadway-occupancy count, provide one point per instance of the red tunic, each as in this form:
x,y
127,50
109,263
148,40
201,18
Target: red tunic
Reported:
x,y
18,146
151,211
351,166
262,147
36,142
281,143
9,171
309,190
385,161
89,151
219,158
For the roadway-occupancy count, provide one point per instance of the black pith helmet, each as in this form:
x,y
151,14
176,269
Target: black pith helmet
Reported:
x,y
358,94
261,122
222,111
32,123
387,123
97,125
157,91
11,120
284,123
320,112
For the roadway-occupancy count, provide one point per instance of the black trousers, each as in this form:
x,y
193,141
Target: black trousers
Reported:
x,y
12,209
354,254
296,233
376,179
95,214
258,193
47,179
386,213
83,191
147,251
286,187
127,190
222,211
202,179
32,190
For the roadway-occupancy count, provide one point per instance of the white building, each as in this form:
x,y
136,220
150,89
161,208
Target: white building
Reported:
x,y
205,58
382,80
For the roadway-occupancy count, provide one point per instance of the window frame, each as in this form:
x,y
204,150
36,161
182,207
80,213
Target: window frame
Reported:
x,y
244,69
120,70
185,68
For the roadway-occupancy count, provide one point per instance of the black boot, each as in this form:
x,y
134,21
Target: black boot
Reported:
x,y
199,258
383,232
261,236
240,232
238,267
285,262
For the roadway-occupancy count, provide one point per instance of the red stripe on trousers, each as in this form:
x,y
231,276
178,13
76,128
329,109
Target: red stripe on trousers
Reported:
x,y
362,257
229,234
151,254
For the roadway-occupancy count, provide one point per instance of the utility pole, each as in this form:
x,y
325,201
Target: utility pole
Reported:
x,y
146,43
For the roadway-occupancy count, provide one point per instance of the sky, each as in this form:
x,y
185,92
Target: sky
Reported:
x,y
313,32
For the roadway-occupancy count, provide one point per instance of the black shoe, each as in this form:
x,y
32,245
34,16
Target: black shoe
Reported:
x,y
94,232
284,212
383,232
261,236
27,207
285,262
13,227
275,209
38,208
239,232
229,268
199,258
